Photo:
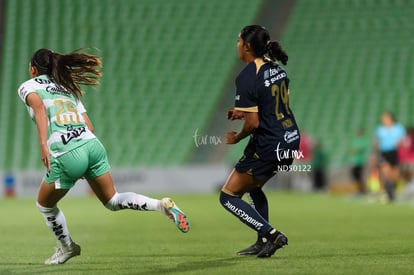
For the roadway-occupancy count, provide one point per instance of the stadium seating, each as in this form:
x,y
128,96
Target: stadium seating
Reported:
x,y
165,63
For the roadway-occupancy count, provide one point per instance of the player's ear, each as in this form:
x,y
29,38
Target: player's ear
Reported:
x,y
33,71
247,47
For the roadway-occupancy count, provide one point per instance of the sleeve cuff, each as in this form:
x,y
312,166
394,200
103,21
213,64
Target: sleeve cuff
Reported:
x,y
253,109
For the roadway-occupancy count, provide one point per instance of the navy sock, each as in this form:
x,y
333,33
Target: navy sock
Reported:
x,y
245,213
389,189
258,200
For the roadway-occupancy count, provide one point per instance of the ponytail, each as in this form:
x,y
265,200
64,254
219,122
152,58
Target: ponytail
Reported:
x,y
259,39
275,52
69,71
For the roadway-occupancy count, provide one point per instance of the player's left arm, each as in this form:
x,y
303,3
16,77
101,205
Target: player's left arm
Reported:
x,y
251,122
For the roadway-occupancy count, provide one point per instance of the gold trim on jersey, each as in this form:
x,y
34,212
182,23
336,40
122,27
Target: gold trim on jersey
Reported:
x,y
253,109
224,190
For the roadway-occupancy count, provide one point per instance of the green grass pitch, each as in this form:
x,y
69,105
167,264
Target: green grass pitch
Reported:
x,y
327,235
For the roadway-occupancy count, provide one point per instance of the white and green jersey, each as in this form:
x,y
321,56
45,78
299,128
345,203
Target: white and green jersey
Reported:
x,y
67,128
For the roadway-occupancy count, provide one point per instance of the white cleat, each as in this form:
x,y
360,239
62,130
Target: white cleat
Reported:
x,y
63,254
175,214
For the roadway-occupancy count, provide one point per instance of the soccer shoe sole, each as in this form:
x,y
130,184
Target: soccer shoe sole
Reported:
x,y
180,218
251,250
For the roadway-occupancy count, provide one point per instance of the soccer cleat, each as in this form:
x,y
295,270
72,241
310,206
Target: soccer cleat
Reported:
x,y
277,241
63,254
175,214
254,249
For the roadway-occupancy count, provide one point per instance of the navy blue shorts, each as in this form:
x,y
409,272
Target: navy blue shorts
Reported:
x,y
260,169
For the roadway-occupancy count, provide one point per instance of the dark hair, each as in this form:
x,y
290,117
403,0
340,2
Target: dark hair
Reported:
x,y
259,39
68,70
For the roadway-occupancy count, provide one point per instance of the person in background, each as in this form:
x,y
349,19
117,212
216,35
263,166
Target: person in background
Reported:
x,y
359,151
388,137
306,146
302,180
406,156
319,162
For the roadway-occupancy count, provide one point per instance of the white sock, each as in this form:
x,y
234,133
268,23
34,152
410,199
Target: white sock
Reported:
x,y
130,200
56,222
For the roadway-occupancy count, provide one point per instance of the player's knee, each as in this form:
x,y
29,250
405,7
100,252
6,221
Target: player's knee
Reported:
x,y
224,197
221,197
46,210
113,203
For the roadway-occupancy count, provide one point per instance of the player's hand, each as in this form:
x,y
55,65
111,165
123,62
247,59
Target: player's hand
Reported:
x,y
45,156
231,138
229,113
234,114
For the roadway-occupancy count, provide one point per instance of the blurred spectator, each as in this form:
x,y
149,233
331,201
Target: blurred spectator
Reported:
x,y
373,181
406,157
319,167
359,151
302,180
306,147
9,186
388,136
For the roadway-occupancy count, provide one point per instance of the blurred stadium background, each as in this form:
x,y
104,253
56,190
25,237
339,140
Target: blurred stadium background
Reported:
x,y
169,69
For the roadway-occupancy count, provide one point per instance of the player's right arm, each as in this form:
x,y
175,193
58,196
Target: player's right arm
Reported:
x,y
234,114
251,122
35,102
82,110
88,122
246,106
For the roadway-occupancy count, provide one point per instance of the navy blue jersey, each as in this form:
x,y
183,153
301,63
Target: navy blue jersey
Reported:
x,y
267,93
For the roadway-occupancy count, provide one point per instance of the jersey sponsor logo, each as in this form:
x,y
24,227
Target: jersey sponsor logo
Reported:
x,y
56,90
42,81
291,136
243,215
237,97
271,72
72,133
268,82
